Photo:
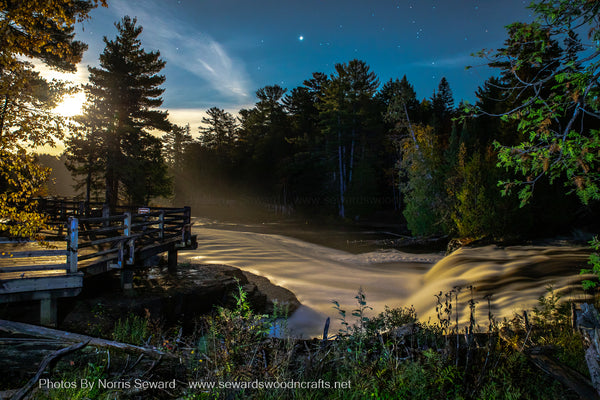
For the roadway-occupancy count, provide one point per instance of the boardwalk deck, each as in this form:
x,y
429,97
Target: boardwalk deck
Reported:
x,y
90,241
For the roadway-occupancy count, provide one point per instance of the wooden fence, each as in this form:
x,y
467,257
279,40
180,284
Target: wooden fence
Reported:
x,y
96,242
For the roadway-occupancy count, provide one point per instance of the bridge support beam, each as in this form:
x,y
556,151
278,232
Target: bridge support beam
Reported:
x,y
172,261
126,279
49,312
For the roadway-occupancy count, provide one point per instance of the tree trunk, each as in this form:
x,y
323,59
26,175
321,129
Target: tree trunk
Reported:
x,y
3,115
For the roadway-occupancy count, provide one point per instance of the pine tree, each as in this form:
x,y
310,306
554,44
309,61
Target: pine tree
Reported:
x,y
442,104
176,144
345,103
125,90
219,129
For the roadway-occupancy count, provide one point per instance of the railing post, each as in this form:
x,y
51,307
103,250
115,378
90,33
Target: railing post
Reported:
x,y
187,227
161,224
105,215
130,242
81,209
72,244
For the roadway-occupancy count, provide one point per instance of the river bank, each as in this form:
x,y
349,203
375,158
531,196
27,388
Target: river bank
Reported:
x,y
168,299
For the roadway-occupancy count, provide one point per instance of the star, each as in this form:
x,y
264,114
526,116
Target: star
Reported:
x,y
300,38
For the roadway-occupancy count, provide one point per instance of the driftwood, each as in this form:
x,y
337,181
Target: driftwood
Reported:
x,y
43,365
38,331
588,322
562,373
566,375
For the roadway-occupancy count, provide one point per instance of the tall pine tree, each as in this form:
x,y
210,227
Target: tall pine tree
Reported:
x,y
125,91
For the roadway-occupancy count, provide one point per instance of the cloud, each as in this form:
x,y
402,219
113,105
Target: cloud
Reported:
x,y
457,61
187,48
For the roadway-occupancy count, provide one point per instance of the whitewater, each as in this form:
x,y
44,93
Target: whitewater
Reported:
x,y
514,276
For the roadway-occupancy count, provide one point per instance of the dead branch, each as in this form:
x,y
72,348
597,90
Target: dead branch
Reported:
x,y
44,364
38,331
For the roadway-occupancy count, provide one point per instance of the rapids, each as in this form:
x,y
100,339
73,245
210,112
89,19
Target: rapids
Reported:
x,y
515,276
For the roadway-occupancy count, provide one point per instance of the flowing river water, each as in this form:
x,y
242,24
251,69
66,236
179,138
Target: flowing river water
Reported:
x,y
514,276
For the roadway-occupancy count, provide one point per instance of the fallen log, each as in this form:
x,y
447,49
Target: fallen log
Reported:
x,y
562,373
43,365
48,333
540,357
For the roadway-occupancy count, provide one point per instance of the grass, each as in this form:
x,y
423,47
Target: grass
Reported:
x,y
390,356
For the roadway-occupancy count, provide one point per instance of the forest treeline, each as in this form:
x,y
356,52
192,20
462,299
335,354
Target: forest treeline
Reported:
x,y
340,145
344,145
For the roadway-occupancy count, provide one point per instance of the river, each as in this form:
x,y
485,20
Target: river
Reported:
x,y
514,276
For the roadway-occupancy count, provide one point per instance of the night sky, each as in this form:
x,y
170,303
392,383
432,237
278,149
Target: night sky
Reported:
x,y
219,53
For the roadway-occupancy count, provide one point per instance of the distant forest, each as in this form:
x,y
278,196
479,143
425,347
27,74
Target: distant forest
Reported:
x,y
344,145
347,146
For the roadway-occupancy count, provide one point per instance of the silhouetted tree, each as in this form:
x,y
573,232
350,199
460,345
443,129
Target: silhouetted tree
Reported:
x,y
125,90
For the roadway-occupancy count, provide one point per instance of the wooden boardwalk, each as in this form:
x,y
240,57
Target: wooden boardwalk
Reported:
x,y
86,239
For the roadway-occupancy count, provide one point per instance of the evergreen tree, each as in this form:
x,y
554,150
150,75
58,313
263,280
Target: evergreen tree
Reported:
x,y
263,137
345,105
219,129
176,143
125,90
442,104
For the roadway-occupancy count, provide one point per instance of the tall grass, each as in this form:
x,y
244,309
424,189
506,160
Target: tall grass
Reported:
x,y
392,355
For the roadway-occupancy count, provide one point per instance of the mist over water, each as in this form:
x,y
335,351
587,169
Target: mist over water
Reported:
x,y
514,276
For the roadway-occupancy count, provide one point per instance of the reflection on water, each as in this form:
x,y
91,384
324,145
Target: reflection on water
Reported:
x,y
515,276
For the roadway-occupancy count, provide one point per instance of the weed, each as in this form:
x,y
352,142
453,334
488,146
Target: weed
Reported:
x,y
133,330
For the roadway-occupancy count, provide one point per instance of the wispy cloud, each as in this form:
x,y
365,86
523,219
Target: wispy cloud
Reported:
x,y
187,48
457,61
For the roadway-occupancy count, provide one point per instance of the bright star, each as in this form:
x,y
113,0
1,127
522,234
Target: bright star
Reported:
x,y
301,38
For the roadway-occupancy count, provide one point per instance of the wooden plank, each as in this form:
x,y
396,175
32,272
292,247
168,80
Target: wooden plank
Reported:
x,y
103,219
102,230
111,239
42,283
97,254
33,253
33,296
42,267
142,224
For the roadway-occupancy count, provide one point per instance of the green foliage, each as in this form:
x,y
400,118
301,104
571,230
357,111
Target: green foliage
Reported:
x,y
557,90
41,30
427,210
474,213
92,373
388,356
594,261
134,330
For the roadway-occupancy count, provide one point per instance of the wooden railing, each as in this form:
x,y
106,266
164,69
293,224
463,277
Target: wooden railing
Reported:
x,y
67,266
113,239
95,242
120,236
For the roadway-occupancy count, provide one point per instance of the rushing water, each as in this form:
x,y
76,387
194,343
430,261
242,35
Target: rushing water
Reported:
x,y
515,276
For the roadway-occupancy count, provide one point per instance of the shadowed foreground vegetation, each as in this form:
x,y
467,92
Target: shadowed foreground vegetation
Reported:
x,y
392,355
